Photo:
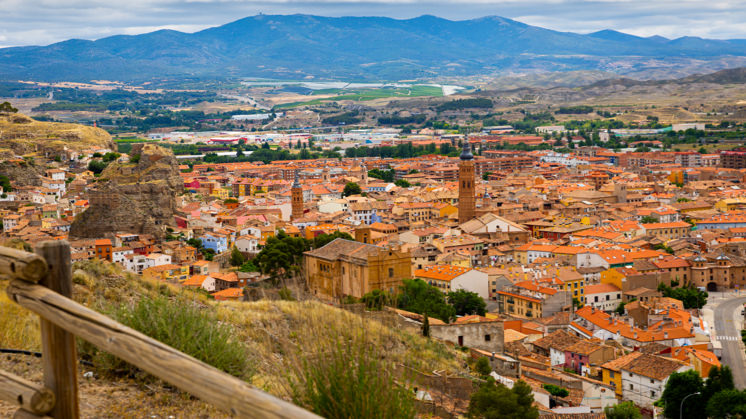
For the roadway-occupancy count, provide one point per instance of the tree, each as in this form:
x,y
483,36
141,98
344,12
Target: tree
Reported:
x,y
426,326
727,404
680,385
237,258
375,300
648,220
281,256
323,239
496,401
418,296
5,183
97,166
690,296
624,410
556,391
620,308
482,367
718,379
465,303
111,156
402,183
351,188
6,107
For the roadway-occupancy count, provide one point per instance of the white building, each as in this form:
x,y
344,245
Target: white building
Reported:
x,y
645,377
119,254
604,297
451,278
247,244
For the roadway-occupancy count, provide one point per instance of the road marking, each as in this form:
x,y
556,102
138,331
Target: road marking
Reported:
x,y
729,338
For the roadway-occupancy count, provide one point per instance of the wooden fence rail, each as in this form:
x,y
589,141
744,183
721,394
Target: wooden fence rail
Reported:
x,y
27,395
195,377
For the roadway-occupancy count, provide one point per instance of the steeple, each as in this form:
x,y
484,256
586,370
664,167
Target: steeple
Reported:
x,y
466,151
296,194
466,186
296,181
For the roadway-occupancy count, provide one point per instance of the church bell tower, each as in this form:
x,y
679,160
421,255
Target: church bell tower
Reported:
x,y
466,188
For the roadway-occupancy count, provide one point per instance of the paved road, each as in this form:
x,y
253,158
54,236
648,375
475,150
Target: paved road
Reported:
x,y
728,328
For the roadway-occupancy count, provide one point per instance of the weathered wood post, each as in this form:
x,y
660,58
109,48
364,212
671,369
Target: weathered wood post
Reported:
x,y
59,356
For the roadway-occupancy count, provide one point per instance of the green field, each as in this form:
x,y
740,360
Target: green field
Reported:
x,y
361,95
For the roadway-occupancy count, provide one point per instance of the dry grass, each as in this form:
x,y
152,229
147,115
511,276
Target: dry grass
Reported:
x,y
19,327
281,333
279,336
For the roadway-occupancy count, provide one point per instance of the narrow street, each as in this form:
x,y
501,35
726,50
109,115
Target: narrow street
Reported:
x,y
728,324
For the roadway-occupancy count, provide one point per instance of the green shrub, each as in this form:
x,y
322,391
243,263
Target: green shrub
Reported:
x,y
483,367
181,324
556,391
350,381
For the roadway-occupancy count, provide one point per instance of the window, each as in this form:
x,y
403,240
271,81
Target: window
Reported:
x,y
652,381
652,394
391,272
631,387
611,374
487,338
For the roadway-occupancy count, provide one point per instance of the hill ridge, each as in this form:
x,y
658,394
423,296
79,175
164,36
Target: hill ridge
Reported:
x,y
365,48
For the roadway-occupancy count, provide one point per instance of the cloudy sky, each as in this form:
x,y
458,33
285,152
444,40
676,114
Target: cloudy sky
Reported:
x,y
41,22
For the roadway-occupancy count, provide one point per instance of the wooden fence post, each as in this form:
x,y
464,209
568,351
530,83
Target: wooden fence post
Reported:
x,y
59,356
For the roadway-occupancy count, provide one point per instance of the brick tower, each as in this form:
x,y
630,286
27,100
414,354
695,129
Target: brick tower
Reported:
x,y
466,195
296,193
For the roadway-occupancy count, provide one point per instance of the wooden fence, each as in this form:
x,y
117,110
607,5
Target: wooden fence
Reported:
x,y
42,283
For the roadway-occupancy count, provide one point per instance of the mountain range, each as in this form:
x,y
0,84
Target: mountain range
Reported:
x,y
366,48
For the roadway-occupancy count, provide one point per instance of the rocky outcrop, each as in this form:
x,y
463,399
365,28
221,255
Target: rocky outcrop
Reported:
x,y
21,172
133,197
24,135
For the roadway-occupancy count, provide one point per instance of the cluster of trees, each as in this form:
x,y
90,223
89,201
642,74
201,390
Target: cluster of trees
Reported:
x,y
458,104
384,175
401,120
352,188
347,118
5,183
494,400
403,151
6,107
418,296
717,398
580,109
282,254
689,295
100,162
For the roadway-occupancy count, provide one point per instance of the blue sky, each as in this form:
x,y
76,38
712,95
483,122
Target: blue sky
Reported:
x,y
41,22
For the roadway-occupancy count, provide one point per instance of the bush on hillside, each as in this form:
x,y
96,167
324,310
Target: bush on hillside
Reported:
x,y
350,381
181,324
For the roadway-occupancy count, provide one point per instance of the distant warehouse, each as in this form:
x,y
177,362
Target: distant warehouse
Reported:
x,y
254,117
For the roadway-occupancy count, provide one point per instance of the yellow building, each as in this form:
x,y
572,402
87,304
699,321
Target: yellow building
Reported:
x,y
612,276
668,231
730,204
518,305
169,273
222,193
572,281
611,372
350,268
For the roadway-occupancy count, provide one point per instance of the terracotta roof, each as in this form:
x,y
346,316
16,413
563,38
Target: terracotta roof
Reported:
x,y
617,364
558,339
441,272
652,366
600,288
